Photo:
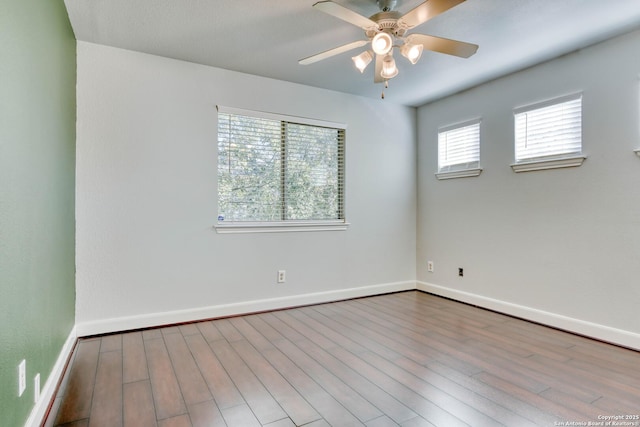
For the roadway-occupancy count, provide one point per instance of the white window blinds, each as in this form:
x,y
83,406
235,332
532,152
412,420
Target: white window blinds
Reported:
x,y
459,146
550,129
271,168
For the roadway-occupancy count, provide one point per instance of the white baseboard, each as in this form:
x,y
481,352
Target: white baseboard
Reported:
x,y
47,394
592,330
180,316
589,329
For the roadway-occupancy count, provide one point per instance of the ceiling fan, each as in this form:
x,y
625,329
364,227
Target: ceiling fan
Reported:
x,y
388,29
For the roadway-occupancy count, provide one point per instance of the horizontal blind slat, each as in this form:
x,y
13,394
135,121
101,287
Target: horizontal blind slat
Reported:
x,y
459,146
549,131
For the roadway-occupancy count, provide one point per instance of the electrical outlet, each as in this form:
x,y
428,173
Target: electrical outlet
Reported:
x,y
36,388
430,266
22,377
282,276
460,272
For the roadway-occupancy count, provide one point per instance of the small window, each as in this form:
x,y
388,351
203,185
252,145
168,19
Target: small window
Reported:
x,y
459,150
549,135
276,170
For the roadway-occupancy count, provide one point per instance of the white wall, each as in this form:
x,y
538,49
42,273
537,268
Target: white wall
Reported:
x,y
560,246
146,196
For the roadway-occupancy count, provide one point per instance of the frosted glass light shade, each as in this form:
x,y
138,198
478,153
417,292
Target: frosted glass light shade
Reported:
x,y
361,61
389,69
382,43
412,52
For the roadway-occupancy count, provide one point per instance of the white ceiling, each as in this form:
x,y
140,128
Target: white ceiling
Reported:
x,y
267,38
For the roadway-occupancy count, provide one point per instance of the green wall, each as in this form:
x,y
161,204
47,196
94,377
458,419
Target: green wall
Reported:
x,y
37,194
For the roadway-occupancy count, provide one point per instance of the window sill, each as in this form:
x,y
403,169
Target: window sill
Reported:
x,y
543,164
464,173
279,227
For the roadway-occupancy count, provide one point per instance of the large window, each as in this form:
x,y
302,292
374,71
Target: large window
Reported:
x,y
549,133
279,169
459,150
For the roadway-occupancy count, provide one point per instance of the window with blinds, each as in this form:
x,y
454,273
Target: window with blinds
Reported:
x,y
274,168
549,129
459,146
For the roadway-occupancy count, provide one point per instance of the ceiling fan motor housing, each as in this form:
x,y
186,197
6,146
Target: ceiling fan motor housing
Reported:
x,y
387,22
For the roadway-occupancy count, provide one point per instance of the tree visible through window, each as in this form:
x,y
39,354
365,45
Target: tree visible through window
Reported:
x,y
275,168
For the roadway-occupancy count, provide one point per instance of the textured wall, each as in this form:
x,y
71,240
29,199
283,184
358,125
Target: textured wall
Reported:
x,y
37,161
146,193
563,241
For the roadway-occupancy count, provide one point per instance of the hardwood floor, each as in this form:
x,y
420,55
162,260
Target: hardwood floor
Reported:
x,y
409,359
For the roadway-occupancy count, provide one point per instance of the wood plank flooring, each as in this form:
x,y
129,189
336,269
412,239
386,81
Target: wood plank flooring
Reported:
x,y
409,359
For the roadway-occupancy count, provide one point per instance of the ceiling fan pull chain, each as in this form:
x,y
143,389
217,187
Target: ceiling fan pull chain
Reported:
x,y
386,86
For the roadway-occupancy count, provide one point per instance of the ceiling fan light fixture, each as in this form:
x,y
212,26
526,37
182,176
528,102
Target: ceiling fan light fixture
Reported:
x,y
387,27
361,61
412,52
382,43
389,69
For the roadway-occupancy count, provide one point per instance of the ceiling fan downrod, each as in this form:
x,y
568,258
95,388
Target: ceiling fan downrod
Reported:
x,y
386,5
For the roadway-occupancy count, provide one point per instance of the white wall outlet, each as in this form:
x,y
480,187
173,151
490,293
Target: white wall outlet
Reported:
x,y
282,276
22,377
36,388
430,266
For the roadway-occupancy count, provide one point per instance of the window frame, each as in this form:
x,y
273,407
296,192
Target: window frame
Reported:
x,y
551,161
286,225
460,170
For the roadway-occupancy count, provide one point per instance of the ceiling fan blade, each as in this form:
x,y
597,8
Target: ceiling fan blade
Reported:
x,y
345,14
425,11
377,73
332,52
442,45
